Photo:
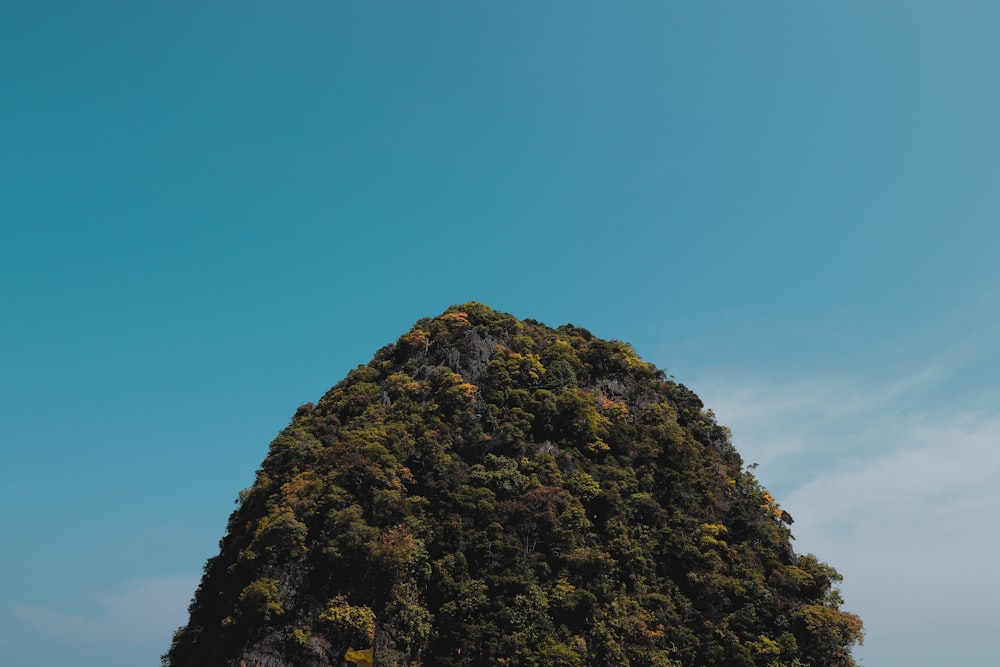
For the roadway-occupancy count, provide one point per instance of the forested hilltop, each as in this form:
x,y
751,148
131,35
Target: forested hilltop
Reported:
x,y
489,491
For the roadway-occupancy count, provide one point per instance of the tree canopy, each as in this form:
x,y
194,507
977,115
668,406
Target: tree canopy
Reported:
x,y
491,491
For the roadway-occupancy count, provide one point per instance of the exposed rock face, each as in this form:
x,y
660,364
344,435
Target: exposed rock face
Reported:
x,y
492,491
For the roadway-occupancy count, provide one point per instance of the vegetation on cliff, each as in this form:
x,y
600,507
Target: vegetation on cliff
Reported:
x,y
489,491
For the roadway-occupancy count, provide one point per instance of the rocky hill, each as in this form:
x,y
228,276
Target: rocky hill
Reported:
x,y
490,491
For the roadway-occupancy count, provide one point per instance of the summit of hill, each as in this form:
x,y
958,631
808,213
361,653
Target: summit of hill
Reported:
x,y
494,491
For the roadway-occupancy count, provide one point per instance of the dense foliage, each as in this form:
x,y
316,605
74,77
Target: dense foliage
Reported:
x,y
489,491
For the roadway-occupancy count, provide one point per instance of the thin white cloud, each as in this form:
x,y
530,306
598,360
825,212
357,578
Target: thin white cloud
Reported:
x,y
138,612
914,532
893,483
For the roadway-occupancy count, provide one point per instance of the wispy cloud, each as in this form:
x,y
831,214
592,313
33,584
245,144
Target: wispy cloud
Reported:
x,y
892,480
137,612
914,532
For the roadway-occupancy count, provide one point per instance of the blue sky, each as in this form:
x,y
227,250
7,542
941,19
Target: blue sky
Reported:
x,y
211,211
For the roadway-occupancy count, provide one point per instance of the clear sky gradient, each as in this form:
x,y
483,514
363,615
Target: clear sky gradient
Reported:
x,y
211,211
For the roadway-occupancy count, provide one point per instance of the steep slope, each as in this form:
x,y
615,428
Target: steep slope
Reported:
x,y
493,491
